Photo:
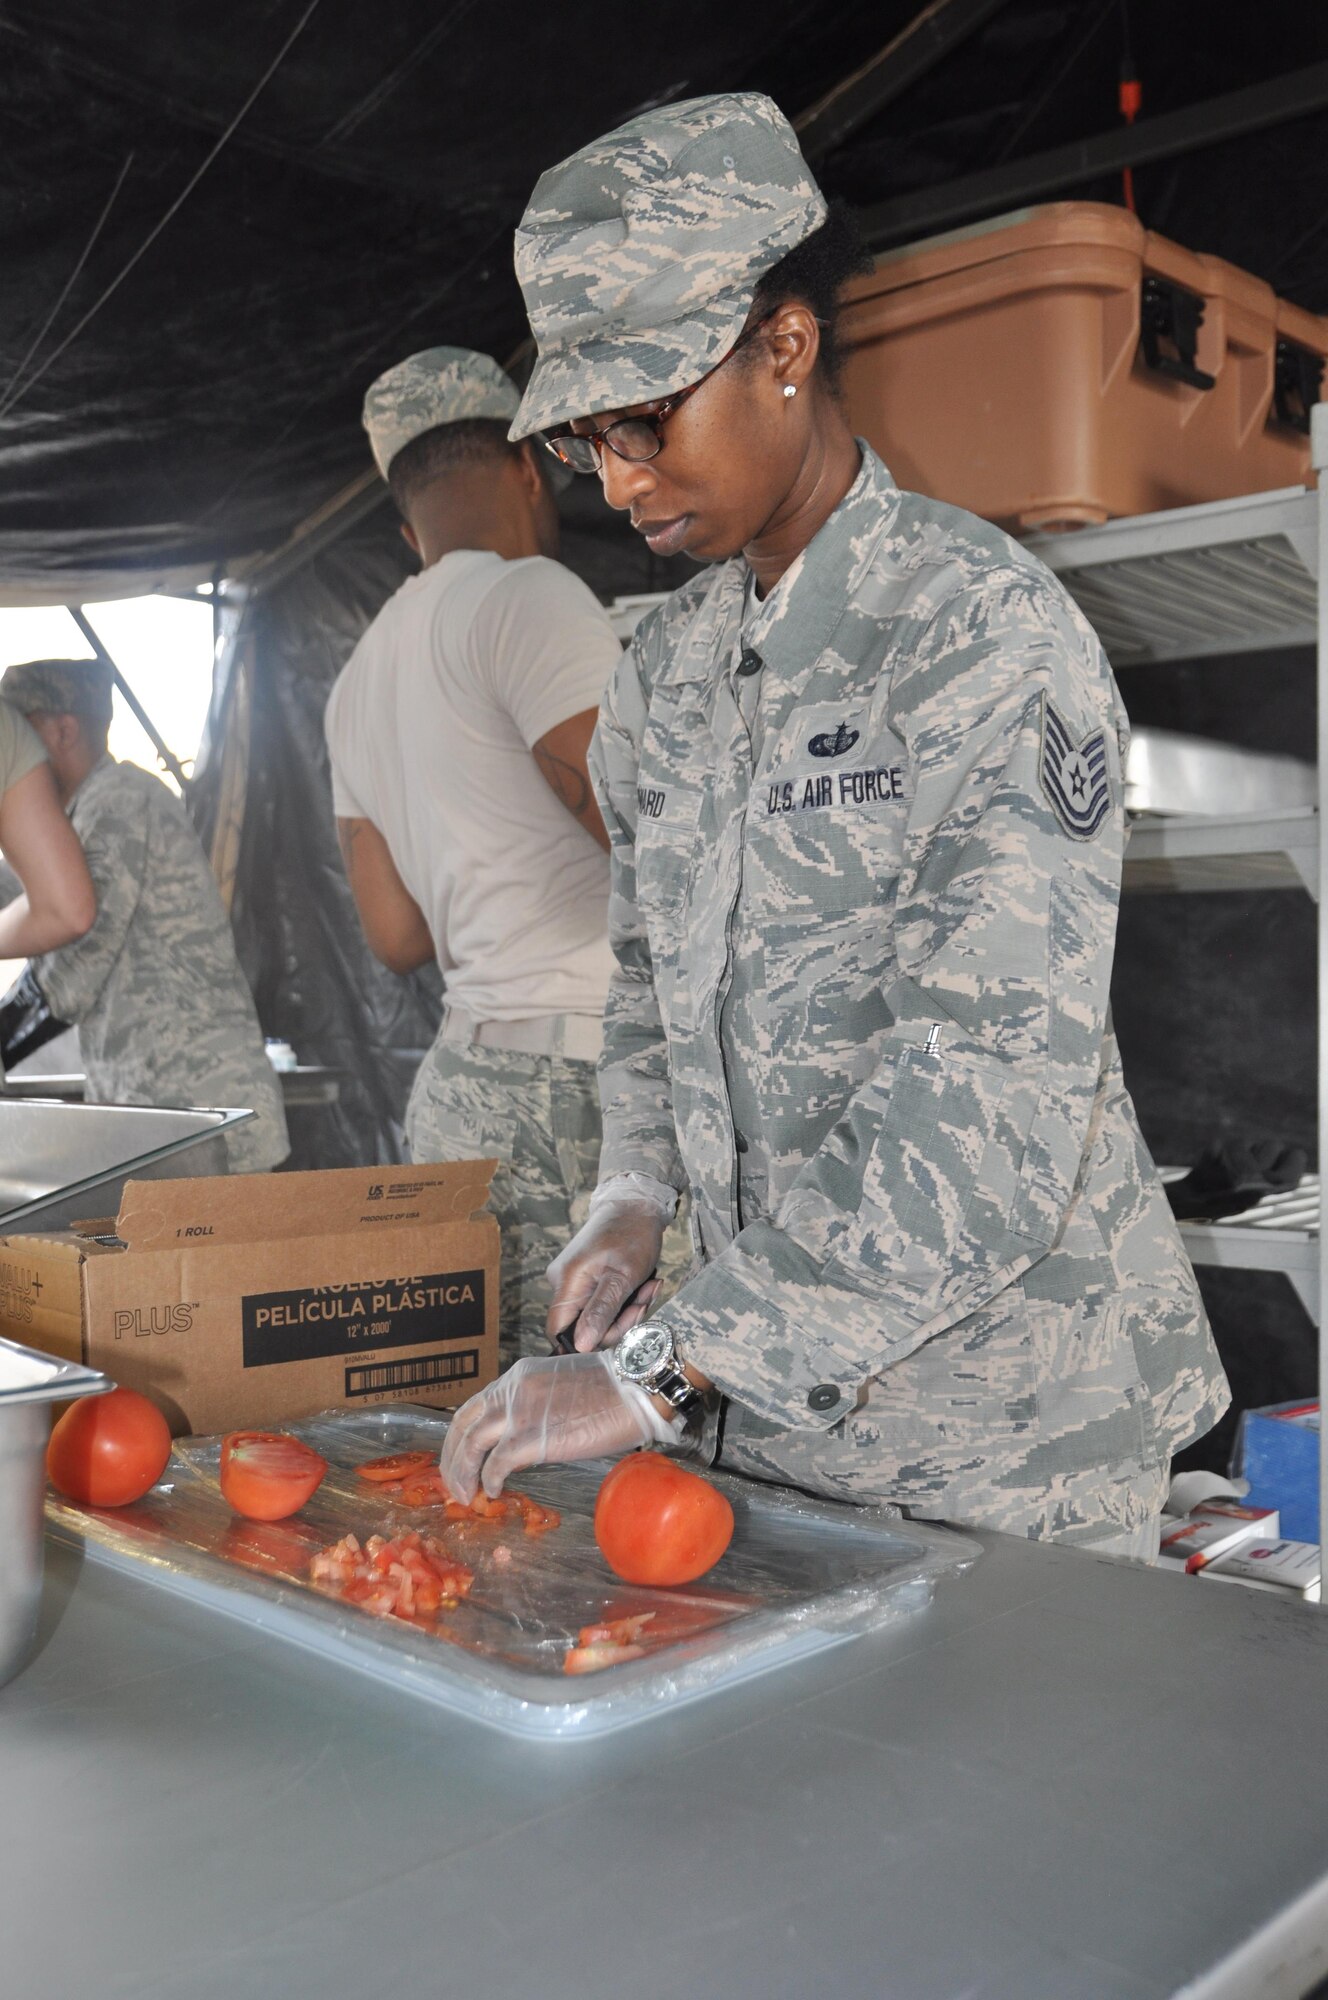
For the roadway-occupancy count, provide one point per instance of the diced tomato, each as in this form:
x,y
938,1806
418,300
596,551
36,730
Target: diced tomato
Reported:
x,y
607,1644
396,1466
615,1632
677,1618
536,1520
589,1659
411,1576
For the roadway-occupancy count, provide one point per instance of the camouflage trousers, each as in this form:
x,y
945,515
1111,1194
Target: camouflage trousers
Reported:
x,y
539,1117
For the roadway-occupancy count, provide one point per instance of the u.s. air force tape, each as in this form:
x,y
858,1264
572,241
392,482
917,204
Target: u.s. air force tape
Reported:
x,y
1074,775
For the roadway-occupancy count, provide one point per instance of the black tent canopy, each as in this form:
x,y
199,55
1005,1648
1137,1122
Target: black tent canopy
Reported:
x,y
217,224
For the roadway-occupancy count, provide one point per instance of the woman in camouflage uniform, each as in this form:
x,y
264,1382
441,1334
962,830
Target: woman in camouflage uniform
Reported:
x,y
862,779
56,902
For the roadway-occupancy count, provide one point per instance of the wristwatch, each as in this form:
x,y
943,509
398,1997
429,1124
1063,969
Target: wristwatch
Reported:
x,y
646,1355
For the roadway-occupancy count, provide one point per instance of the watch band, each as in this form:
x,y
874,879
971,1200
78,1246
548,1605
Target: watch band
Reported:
x,y
668,1381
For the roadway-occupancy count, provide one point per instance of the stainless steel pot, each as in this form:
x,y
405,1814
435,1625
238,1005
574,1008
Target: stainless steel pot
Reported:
x,y
29,1382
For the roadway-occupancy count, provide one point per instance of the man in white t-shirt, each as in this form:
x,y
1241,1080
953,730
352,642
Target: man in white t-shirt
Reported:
x,y
458,733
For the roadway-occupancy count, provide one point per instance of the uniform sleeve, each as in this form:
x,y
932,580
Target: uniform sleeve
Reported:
x,y
21,748
639,1131
542,646
345,800
950,1171
115,841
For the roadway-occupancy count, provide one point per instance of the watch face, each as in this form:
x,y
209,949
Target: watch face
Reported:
x,y
643,1348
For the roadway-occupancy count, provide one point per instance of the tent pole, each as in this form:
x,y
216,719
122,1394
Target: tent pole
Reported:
x,y
168,757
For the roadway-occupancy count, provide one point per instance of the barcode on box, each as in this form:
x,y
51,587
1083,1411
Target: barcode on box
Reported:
x,y
421,1371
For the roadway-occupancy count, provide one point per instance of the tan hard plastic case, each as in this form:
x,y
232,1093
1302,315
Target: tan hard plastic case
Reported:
x,y
1002,369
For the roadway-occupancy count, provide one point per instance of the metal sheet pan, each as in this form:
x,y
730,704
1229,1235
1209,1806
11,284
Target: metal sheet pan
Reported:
x,y
60,1163
1169,772
799,1575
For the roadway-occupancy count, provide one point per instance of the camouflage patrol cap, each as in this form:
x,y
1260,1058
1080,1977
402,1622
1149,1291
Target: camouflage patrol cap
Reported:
x,y
639,256
60,687
441,385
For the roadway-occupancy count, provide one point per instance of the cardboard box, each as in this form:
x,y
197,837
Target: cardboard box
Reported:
x,y
1200,1538
1267,1524
244,1302
1272,1565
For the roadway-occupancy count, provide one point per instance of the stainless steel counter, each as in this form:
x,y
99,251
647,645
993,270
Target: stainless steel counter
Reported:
x,y
1070,1777
306,1084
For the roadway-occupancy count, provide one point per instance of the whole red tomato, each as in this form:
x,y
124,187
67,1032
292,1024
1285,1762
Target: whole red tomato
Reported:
x,y
266,1475
107,1450
657,1523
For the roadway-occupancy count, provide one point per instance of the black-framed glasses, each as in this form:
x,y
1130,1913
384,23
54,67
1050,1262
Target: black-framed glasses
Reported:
x,y
634,438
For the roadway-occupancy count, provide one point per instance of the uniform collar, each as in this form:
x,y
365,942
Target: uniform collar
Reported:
x,y
89,784
792,628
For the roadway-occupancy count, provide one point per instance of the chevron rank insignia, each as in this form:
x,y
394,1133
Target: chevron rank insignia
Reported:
x,y
1074,775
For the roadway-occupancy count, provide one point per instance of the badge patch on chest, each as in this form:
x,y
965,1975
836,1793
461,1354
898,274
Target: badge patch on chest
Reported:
x,y
1074,775
836,745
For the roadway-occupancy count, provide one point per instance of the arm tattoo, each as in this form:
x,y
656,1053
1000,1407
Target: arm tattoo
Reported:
x,y
568,784
348,832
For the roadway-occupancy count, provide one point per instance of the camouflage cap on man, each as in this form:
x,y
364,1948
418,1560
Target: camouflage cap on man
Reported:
x,y
639,256
441,385
60,687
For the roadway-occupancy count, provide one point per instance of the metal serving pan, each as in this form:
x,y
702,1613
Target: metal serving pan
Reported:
x,y
61,1163
29,1382
1171,773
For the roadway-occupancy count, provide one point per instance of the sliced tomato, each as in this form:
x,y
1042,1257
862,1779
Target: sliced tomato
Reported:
x,y
397,1465
426,1489
267,1475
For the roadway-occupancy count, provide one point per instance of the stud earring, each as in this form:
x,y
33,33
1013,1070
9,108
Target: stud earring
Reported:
x,y
790,388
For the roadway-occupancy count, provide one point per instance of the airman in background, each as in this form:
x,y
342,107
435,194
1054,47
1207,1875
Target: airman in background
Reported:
x,y
163,1011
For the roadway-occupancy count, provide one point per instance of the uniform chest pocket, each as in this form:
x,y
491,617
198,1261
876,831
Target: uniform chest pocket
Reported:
x,y
667,817
828,812
827,841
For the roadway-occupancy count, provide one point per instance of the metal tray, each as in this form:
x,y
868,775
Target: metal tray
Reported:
x,y
62,1163
1175,774
800,1575
29,1383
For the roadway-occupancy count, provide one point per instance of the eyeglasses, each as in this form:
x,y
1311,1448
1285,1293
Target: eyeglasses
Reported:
x,y
634,438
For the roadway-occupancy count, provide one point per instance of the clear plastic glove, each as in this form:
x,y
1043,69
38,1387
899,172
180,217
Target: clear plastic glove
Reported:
x,y
570,1406
604,1279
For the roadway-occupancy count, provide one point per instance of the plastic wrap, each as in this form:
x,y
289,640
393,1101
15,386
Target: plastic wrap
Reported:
x,y
799,1575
